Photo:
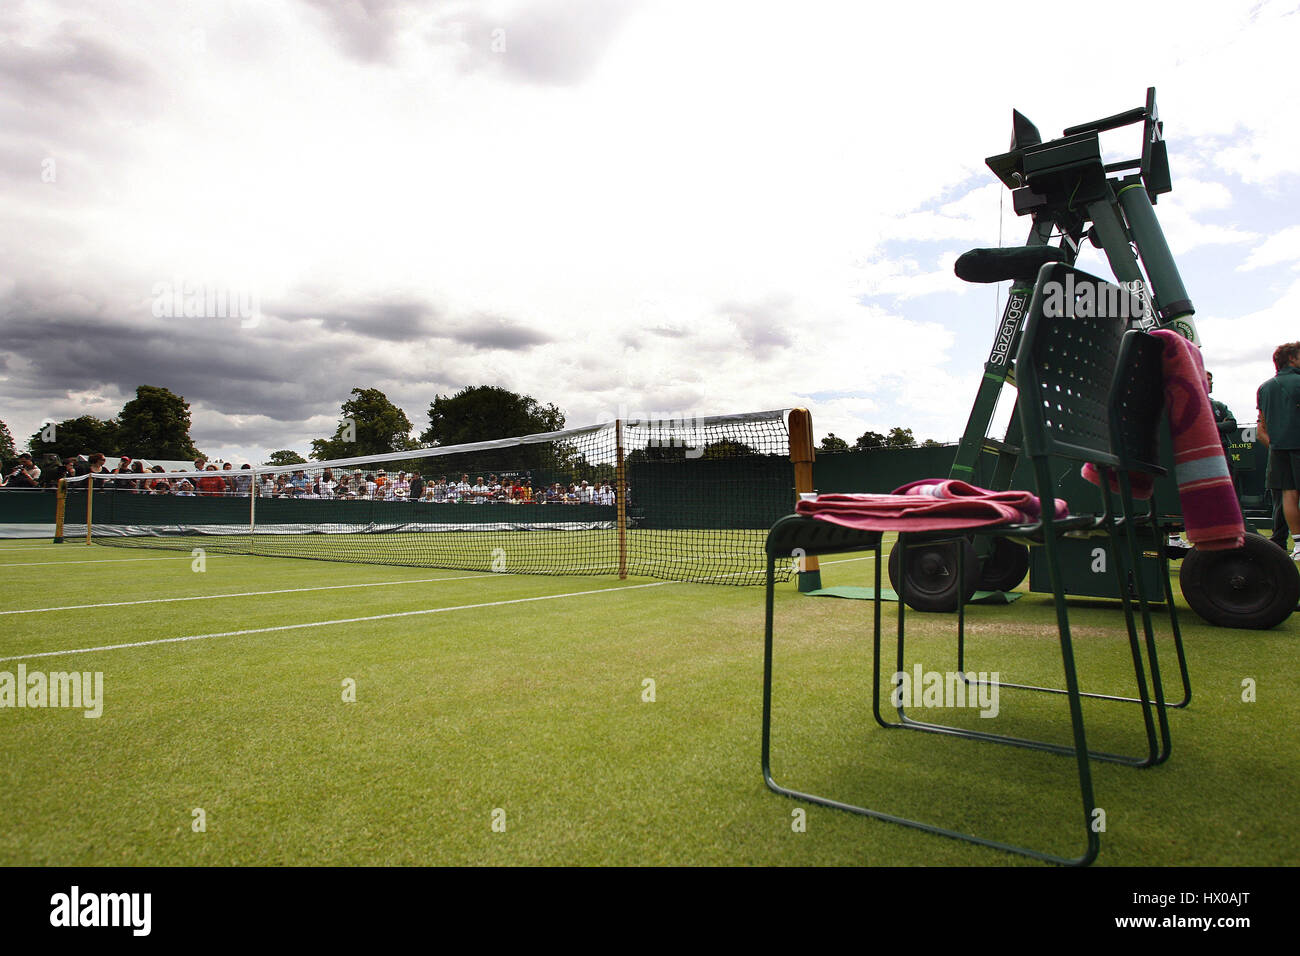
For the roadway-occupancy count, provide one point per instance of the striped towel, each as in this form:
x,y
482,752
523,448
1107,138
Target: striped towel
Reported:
x,y
931,504
1211,512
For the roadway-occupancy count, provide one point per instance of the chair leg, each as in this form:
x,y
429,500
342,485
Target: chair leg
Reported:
x,y
1092,841
1028,743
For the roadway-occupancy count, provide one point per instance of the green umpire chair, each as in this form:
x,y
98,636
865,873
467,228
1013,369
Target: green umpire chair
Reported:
x,y
1087,393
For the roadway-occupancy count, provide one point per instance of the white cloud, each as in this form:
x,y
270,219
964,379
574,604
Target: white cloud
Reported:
x,y
1280,247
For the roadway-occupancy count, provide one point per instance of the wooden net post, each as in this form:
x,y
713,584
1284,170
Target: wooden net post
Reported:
x,y
90,497
60,505
802,455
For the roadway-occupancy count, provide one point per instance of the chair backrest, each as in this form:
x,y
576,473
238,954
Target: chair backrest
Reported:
x,y
1066,363
1137,402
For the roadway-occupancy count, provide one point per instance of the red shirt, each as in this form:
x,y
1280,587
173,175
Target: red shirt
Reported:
x,y
211,485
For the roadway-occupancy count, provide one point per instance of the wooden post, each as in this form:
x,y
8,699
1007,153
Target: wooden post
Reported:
x,y
90,495
60,504
802,455
620,499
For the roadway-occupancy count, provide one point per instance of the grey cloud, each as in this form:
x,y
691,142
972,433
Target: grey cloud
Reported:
x,y
365,29
70,69
763,326
551,42
496,332
558,42
390,321
412,321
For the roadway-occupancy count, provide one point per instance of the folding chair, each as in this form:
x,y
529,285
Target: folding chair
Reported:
x,y
1137,397
1067,374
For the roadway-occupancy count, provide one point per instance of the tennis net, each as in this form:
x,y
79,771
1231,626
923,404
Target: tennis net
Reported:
x,y
686,499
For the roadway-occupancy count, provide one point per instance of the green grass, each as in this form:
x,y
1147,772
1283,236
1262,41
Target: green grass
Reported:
x,y
536,709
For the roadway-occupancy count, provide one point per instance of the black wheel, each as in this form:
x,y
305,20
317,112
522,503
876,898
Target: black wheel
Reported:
x,y
932,574
1005,567
1254,586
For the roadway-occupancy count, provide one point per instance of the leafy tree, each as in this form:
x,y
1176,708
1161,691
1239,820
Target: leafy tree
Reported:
x,y
931,443
7,450
484,412
156,424
869,440
285,457
900,438
78,436
371,425
832,444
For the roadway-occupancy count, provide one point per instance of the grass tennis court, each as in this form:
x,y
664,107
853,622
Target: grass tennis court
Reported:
x,y
731,557
479,692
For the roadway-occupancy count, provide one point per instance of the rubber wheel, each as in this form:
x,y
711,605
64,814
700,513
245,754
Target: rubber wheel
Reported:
x,y
932,575
1254,586
1005,567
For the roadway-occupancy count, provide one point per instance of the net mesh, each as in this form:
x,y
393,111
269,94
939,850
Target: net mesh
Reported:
x,y
697,494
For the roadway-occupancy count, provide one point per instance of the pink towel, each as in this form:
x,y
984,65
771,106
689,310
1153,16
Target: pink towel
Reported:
x,y
1211,512
929,505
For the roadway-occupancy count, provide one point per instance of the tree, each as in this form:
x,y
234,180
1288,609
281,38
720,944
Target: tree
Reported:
x,y
900,438
484,412
832,444
7,450
931,443
285,457
156,424
77,436
371,425
869,440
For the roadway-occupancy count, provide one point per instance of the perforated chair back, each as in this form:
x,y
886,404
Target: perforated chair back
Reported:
x,y
1066,363
1137,403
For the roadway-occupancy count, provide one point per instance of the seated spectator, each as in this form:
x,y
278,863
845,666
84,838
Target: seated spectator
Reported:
x,y
185,489
417,486
211,485
25,462
299,483
585,493
327,486
480,492
158,486
243,483
98,471
397,490
605,496
22,476
66,470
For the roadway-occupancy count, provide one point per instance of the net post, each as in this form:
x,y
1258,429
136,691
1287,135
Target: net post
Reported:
x,y
620,491
252,507
60,505
802,455
90,495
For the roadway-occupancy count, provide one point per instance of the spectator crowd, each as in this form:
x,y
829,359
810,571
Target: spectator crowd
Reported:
x,y
209,481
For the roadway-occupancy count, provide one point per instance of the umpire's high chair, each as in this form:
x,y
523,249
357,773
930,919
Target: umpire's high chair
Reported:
x,y
1088,392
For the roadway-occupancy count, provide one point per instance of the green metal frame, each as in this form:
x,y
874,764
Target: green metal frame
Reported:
x,y
1089,354
1067,192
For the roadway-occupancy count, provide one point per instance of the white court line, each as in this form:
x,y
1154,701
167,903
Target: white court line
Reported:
x,y
213,597
870,557
46,564
346,620
37,547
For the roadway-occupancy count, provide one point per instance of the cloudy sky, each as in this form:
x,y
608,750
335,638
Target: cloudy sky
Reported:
x,y
661,207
